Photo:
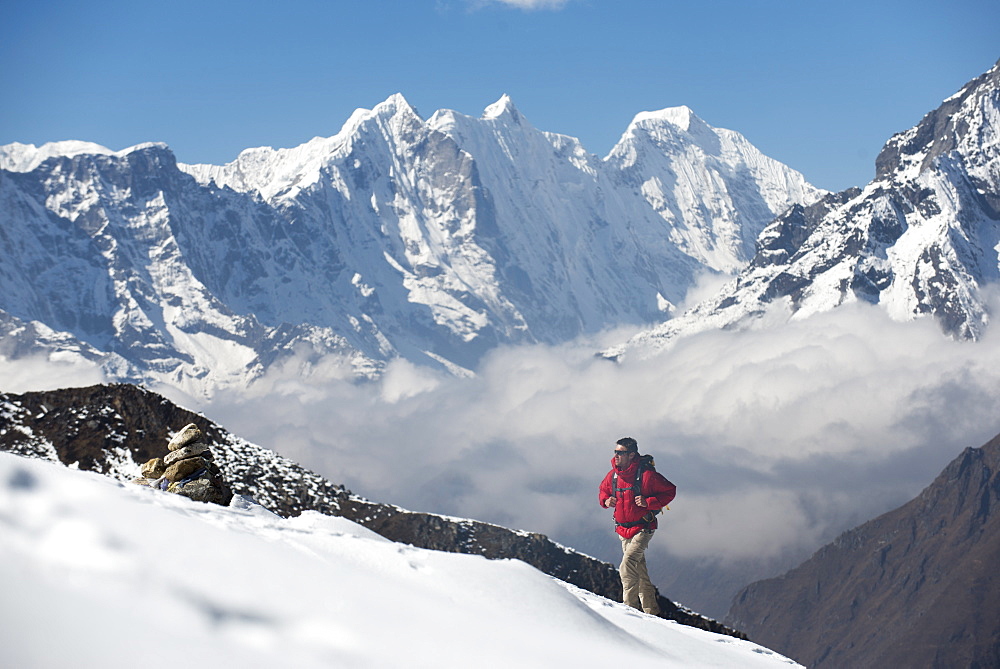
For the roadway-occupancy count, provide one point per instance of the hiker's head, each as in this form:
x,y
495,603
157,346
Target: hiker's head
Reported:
x,y
628,444
626,450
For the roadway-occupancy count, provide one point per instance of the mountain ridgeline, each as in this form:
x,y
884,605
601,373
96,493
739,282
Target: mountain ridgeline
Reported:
x,y
112,429
432,240
922,239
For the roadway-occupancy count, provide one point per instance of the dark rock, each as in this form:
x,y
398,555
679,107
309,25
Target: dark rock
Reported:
x,y
916,587
206,489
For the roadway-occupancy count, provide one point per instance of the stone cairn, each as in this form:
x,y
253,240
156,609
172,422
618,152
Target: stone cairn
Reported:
x,y
188,469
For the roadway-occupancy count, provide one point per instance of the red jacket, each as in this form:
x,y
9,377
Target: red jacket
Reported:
x,y
657,491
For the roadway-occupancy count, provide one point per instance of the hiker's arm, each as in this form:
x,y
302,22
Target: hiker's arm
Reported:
x,y
663,492
605,493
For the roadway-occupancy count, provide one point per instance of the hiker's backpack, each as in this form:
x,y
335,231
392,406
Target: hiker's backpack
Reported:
x,y
646,463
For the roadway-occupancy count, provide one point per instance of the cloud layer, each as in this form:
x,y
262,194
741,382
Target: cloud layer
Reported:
x,y
778,439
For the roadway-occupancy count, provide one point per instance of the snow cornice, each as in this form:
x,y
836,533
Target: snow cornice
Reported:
x,y
680,117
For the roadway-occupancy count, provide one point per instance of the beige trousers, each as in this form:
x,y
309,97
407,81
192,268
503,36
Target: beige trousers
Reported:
x,y
636,586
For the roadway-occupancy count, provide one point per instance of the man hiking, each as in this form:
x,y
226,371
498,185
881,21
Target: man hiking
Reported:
x,y
637,493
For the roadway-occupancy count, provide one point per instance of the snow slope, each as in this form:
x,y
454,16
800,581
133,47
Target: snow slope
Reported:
x,y
99,573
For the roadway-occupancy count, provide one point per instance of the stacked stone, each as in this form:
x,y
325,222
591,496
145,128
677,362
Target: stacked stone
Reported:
x,y
188,469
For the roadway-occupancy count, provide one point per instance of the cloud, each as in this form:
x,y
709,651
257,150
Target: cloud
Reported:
x,y
706,285
40,372
777,439
527,5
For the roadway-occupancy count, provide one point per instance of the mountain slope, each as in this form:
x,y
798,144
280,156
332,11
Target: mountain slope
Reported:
x,y
922,239
916,587
130,257
111,575
112,429
432,240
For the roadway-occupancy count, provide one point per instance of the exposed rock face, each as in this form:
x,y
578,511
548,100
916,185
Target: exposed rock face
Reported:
x,y
112,428
916,587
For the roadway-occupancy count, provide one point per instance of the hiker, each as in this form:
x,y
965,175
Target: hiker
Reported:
x,y
636,503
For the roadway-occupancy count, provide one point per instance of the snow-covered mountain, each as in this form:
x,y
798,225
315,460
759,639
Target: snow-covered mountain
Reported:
x,y
922,239
433,240
100,573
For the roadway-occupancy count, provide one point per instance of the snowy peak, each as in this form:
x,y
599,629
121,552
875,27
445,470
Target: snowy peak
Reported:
x,y
966,122
393,105
714,189
283,173
673,127
680,117
19,157
433,240
923,239
502,109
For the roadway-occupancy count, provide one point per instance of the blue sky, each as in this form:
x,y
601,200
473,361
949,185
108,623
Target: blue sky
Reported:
x,y
820,86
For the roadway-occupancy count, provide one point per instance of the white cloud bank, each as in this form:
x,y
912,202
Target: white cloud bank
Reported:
x,y
777,439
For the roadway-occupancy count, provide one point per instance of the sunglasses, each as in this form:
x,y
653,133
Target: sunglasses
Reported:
x,y
617,452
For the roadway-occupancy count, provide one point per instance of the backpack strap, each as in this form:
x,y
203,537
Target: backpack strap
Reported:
x,y
614,485
636,488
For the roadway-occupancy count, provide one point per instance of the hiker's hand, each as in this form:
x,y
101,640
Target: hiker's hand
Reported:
x,y
610,501
639,501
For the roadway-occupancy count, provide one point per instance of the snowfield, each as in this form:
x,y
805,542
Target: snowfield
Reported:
x,y
99,573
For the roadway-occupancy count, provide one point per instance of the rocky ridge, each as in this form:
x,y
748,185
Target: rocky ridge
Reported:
x,y
111,429
915,587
